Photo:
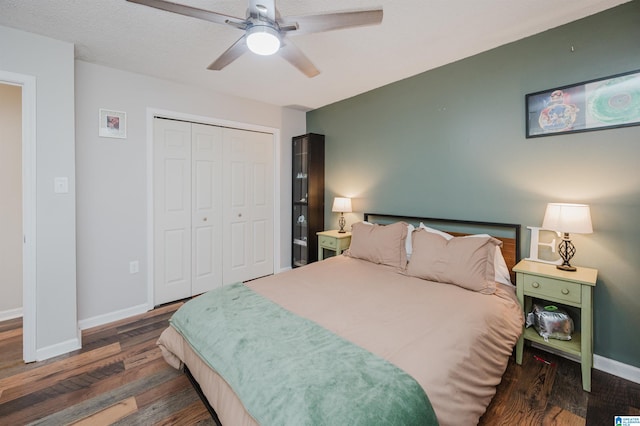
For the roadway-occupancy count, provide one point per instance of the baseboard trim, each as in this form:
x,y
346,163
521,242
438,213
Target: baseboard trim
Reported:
x,y
617,368
58,349
113,316
10,314
610,366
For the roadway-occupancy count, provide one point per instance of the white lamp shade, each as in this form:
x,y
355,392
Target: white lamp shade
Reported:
x,y
569,218
263,40
341,205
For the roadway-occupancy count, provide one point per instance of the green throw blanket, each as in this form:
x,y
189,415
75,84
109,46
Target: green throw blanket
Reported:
x,y
288,370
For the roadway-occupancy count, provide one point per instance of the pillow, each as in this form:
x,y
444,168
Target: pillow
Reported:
x,y
408,246
501,269
384,244
435,231
410,229
500,266
465,262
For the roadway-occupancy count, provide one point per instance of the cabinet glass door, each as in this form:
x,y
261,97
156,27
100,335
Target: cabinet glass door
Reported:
x,y
300,172
307,197
300,235
300,202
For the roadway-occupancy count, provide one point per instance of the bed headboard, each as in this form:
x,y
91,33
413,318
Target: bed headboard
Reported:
x,y
508,233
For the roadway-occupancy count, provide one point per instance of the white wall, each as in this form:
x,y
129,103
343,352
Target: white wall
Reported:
x,y
111,187
51,63
112,178
11,201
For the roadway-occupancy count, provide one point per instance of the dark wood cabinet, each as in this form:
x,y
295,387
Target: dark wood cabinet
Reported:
x,y
308,197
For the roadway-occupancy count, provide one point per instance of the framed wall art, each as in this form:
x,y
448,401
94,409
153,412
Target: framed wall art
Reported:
x,y
113,124
592,105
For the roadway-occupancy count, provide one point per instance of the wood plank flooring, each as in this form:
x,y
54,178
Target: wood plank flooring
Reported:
x,y
119,377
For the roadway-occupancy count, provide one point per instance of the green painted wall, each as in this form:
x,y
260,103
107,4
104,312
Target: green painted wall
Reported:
x,y
450,143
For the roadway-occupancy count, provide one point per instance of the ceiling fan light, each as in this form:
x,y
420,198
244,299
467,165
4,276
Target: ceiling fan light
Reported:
x,y
263,40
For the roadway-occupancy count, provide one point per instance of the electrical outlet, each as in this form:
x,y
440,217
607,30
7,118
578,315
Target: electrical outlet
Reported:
x,y
134,267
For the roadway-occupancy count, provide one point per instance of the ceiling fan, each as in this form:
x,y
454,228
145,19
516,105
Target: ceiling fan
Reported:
x,y
265,29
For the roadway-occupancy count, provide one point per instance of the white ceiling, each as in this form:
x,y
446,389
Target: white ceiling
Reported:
x,y
415,36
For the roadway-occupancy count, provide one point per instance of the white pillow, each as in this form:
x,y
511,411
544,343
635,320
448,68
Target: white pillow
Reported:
x,y
501,270
435,231
499,265
408,244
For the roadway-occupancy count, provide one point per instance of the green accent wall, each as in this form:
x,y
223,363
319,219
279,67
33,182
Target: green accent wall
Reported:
x,y
451,143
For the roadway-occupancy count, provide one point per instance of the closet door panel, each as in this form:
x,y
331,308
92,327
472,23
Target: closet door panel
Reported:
x,y
261,193
260,256
206,189
238,186
237,259
248,190
237,219
175,274
172,210
260,225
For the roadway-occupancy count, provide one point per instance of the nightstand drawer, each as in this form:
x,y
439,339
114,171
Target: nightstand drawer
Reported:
x,y
556,289
327,241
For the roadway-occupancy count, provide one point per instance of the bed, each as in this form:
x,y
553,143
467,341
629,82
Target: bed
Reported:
x,y
411,325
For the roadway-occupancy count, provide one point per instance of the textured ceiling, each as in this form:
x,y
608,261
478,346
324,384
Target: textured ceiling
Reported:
x,y
415,36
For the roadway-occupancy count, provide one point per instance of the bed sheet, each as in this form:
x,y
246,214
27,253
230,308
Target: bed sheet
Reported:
x,y
454,342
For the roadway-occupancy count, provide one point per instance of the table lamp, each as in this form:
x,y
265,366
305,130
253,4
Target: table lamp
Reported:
x,y
341,205
567,218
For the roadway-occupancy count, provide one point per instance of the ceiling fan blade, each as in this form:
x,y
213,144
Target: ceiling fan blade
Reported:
x,y
296,58
231,54
267,8
193,12
331,21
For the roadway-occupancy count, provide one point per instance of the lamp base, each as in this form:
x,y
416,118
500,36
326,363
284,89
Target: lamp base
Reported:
x,y
342,222
567,268
566,250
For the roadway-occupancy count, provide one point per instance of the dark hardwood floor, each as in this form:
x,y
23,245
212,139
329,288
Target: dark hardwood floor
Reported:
x,y
120,377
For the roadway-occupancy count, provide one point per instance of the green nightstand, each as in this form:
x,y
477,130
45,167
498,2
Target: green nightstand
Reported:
x,y
332,240
546,282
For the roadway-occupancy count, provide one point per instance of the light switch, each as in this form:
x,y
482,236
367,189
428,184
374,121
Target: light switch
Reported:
x,y
61,185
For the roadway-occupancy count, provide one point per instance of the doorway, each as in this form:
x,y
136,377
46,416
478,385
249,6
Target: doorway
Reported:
x,y
27,85
11,196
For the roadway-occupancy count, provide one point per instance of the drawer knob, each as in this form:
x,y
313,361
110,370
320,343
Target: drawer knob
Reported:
x,y
565,291
535,284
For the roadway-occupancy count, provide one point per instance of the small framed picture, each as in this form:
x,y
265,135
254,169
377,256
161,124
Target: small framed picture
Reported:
x,y
113,124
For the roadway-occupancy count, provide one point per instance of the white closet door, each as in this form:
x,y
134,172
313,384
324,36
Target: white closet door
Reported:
x,y
172,210
206,221
213,188
248,205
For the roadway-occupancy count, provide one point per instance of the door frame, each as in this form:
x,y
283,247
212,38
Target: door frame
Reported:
x,y
29,212
152,113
